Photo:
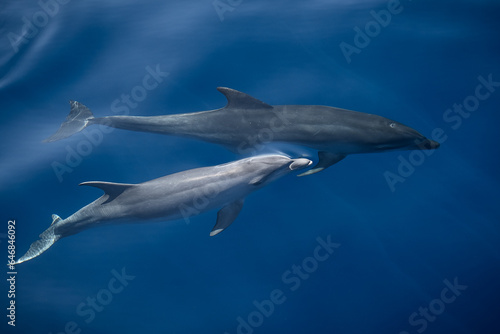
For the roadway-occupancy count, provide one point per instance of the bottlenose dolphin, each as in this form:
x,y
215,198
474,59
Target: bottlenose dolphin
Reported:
x,y
246,123
171,197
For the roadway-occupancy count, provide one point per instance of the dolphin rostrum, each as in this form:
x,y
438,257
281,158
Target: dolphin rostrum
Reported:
x,y
170,197
246,123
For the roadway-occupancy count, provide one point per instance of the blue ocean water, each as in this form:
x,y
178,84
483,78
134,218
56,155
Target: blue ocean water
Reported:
x,y
399,242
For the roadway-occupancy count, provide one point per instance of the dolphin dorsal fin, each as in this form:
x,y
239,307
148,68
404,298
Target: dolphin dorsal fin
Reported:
x,y
239,100
55,219
110,188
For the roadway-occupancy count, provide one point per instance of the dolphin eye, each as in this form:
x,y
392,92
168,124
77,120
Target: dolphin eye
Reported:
x,y
392,125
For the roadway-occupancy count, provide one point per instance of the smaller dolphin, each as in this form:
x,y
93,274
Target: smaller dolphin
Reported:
x,y
172,197
246,123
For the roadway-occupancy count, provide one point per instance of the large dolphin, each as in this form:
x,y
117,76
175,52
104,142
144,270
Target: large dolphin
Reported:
x,y
170,197
245,123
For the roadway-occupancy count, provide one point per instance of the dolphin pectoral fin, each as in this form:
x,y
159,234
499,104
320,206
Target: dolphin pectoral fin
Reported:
x,y
76,121
326,159
239,100
226,216
47,239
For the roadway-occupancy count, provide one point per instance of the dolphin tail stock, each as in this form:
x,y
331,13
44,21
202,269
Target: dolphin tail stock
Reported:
x,y
47,239
76,121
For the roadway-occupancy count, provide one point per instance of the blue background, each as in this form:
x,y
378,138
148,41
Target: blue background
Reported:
x,y
397,247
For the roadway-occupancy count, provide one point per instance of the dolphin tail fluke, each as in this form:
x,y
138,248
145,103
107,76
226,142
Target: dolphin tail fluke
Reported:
x,y
47,239
76,121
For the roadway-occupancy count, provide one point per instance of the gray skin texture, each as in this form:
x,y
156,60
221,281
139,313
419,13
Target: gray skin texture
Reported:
x,y
172,197
246,123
